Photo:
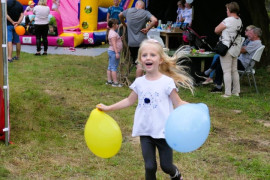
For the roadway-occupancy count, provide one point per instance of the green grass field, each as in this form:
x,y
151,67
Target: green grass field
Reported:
x,y
52,96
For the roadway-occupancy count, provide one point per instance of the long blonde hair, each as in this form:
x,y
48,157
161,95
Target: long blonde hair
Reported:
x,y
169,65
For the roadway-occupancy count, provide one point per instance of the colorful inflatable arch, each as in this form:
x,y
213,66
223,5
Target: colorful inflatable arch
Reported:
x,y
79,22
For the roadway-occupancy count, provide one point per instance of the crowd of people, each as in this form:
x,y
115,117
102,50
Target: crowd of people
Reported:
x,y
15,15
238,56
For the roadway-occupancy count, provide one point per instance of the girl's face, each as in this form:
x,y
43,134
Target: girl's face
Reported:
x,y
150,58
115,26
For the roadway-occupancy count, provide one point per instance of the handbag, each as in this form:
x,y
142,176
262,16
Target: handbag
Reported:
x,y
222,49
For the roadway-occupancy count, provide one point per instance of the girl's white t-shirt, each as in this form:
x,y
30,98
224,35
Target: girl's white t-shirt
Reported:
x,y
154,106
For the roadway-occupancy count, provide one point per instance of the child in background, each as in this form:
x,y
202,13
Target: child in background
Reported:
x,y
180,10
157,96
114,50
114,11
30,7
55,5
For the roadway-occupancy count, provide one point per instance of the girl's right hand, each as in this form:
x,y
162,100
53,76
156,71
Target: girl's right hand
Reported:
x,y
117,55
102,107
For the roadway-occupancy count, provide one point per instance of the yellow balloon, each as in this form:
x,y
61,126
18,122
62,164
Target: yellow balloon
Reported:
x,y
102,134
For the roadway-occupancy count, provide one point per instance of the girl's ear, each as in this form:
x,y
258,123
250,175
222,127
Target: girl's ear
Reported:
x,y
161,61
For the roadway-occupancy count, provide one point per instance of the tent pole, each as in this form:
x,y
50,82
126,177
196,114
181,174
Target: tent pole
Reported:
x,y
5,70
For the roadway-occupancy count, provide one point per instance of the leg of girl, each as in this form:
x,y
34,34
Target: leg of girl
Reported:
x,y
149,156
166,159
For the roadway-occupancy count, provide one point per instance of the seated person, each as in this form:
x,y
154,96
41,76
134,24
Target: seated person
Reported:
x,y
243,60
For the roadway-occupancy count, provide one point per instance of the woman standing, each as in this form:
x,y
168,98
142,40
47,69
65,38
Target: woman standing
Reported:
x,y
228,29
41,12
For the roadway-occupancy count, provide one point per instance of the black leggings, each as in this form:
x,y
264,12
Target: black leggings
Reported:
x,y
149,145
41,32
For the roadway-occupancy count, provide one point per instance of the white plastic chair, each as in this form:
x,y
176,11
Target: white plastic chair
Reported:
x,y
249,70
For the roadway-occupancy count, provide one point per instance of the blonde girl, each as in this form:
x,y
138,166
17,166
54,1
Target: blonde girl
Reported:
x,y
157,96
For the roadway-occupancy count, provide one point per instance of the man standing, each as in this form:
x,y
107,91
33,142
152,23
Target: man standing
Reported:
x,y
14,18
136,19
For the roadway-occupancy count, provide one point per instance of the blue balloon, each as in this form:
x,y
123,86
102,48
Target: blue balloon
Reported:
x,y
187,127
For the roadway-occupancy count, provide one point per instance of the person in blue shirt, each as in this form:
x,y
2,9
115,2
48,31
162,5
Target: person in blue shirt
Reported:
x,y
114,11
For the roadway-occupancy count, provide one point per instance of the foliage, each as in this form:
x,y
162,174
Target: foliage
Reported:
x,y
50,101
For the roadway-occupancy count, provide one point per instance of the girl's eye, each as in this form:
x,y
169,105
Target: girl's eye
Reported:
x,y
144,55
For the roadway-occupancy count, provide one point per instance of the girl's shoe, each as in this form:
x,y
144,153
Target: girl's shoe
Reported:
x,y
117,85
109,82
37,54
15,58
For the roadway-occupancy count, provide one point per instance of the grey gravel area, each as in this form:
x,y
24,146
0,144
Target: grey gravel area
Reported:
x,y
78,51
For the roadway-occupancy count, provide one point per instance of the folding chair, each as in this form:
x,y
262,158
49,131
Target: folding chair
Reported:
x,y
249,70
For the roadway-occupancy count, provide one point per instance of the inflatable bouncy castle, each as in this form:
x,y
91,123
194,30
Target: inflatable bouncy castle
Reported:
x,y
78,22
93,16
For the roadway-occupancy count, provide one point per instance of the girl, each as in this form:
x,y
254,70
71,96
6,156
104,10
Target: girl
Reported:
x,y
114,50
157,96
55,5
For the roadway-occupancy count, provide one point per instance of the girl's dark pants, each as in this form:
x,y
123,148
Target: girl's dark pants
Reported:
x,y
149,146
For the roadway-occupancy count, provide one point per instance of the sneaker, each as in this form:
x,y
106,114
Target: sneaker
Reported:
x,y
201,75
109,82
177,176
225,96
208,81
117,85
10,60
15,58
236,94
216,90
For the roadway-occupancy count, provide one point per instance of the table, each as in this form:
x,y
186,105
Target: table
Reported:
x,y
197,56
168,34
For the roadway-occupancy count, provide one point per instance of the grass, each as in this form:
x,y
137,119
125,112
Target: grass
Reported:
x,y
52,96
